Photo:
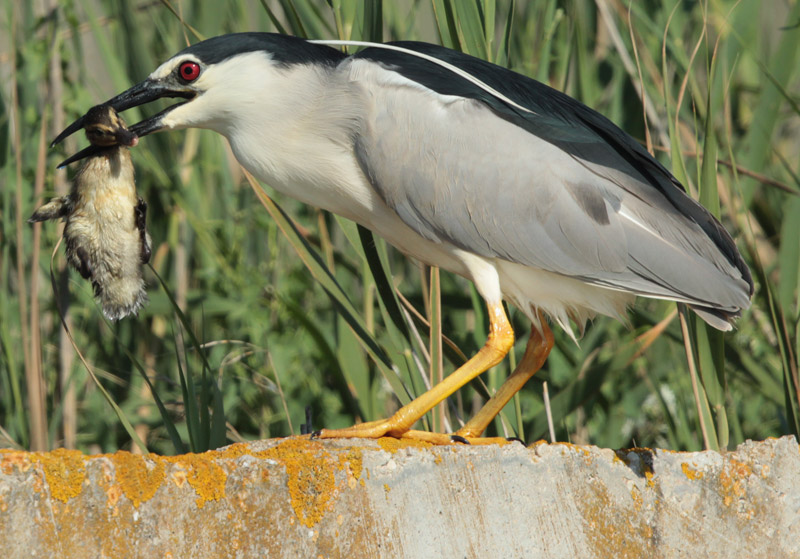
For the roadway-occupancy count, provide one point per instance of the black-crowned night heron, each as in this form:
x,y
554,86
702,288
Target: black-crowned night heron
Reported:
x,y
464,165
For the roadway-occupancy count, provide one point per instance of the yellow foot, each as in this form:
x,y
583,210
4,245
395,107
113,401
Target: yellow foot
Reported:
x,y
452,438
384,428
368,430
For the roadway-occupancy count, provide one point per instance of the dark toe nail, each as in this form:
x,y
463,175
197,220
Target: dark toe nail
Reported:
x,y
308,424
316,434
459,439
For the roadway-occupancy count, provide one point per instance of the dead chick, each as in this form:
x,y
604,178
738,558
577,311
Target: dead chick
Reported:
x,y
106,239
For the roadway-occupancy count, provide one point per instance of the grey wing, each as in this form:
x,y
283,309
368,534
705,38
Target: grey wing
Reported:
x,y
455,171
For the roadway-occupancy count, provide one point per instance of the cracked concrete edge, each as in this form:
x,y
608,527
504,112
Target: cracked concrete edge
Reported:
x,y
300,498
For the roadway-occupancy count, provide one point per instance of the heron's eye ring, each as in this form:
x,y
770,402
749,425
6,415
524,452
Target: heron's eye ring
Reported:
x,y
189,71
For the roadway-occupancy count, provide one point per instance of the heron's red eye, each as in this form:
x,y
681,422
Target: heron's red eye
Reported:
x,y
188,71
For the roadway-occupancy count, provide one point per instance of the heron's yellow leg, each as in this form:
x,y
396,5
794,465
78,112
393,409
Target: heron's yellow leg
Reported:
x,y
536,352
498,344
448,438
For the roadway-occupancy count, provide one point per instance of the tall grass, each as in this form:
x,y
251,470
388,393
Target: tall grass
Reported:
x,y
268,307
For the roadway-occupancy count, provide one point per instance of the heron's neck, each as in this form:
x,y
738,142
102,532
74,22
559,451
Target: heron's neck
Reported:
x,y
299,140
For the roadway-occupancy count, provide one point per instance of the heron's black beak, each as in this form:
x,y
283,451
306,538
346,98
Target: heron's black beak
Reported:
x,y
139,94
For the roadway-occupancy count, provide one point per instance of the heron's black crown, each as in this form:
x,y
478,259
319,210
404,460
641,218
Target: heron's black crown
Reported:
x,y
284,49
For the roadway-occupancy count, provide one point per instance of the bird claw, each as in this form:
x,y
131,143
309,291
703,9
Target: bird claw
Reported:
x,y
306,428
83,263
140,217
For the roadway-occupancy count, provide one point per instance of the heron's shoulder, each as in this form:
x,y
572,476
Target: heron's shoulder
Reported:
x,y
486,81
427,65
538,108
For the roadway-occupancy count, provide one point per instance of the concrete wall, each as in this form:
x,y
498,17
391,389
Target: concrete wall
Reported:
x,y
299,498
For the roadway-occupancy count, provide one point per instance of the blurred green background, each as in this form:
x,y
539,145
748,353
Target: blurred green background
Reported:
x,y
258,320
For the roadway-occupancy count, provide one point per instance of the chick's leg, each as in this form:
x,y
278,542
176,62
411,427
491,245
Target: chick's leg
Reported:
x,y
140,216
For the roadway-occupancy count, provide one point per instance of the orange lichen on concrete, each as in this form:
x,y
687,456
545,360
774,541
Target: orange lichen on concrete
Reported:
x,y
620,536
138,478
232,452
576,448
638,501
311,471
179,478
205,476
14,459
733,480
350,459
390,444
113,495
64,471
691,473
